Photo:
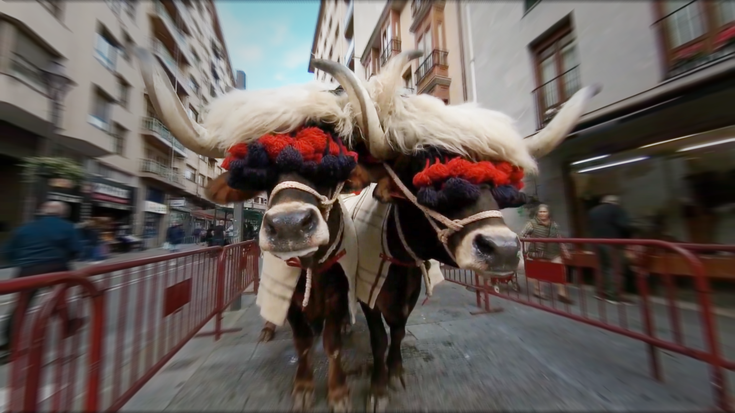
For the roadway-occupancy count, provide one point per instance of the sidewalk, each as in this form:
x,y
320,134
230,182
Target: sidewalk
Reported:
x,y
519,359
8,273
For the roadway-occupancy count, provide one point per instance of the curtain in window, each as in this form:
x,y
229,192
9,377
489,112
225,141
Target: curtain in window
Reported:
x,y
686,22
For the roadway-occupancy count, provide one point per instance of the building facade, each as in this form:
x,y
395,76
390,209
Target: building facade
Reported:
x,y
138,173
384,29
659,135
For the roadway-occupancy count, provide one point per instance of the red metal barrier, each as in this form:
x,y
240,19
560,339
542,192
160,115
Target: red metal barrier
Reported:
x,y
136,316
648,259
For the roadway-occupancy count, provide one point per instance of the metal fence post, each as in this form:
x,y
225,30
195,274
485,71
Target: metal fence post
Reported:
x,y
236,237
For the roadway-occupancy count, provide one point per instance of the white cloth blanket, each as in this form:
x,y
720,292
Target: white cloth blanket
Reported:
x,y
370,218
278,280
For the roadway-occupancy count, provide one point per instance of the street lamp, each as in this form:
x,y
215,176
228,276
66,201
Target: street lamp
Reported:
x,y
57,86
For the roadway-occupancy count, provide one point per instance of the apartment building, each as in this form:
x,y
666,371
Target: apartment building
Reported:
x,y
138,172
386,28
660,134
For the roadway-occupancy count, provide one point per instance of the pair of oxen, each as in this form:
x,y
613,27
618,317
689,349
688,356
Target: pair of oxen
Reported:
x,y
446,171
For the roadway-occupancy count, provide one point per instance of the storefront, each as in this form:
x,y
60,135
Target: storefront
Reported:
x,y
113,200
181,213
153,230
64,190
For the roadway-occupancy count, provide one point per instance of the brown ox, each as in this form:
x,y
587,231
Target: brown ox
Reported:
x,y
461,227
302,182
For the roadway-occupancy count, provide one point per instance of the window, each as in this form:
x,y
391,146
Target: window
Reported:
x,y
127,47
529,4
28,58
190,173
105,52
695,33
53,6
194,85
193,114
123,93
557,73
425,43
129,6
200,180
100,116
118,140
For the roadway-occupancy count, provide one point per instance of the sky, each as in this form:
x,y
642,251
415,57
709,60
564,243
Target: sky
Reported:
x,y
270,40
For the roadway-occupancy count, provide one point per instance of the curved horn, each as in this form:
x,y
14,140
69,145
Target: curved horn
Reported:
x,y
169,107
368,120
554,133
391,79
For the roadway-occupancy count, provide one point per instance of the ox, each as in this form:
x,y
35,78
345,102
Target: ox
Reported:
x,y
444,173
290,143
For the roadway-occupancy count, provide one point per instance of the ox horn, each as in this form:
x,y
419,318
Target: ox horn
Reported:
x,y
554,133
169,107
368,120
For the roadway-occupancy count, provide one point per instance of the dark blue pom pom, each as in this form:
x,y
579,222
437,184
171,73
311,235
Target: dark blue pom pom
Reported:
x,y
346,165
309,169
508,196
289,160
329,170
430,197
257,156
461,191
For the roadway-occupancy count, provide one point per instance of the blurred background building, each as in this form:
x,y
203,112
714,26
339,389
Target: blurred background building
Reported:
x,y
137,172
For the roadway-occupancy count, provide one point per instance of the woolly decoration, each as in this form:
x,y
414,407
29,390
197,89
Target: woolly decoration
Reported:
x,y
454,184
310,151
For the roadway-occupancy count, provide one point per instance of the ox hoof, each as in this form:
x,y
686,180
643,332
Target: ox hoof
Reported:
x,y
346,329
341,403
303,400
397,374
377,404
266,335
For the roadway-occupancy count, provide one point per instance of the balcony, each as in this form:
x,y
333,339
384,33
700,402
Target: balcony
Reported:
x,y
170,27
349,23
154,170
391,49
160,50
155,129
435,65
552,95
695,35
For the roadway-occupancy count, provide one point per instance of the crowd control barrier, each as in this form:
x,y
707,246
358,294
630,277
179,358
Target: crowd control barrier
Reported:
x,y
587,269
100,333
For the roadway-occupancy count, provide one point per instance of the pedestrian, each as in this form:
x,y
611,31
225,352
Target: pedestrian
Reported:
x,y
542,226
45,245
175,236
609,220
218,234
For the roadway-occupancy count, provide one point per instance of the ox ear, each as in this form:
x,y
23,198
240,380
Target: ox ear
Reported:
x,y
218,191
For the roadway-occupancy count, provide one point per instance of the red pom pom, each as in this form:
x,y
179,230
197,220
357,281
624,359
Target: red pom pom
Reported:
x,y
519,185
274,144
438,172
333,148
226,163
305,148
315,136
421,179
353,155
239,150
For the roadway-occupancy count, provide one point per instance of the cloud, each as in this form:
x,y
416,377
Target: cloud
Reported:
x,y
279,33
250,53
297,57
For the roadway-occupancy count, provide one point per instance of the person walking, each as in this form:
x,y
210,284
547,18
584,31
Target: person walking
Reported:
x,y
609,220
175,236
218,234
45,245
542,226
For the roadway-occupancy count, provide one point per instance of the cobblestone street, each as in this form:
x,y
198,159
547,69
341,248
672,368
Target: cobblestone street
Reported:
x,y
520,359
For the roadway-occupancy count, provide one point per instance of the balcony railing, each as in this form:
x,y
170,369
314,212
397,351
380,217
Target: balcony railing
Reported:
x,y
409,91
416,6
166,173
552,95
435,58
692,40
350,52
394,45
163,13
349,15
156,126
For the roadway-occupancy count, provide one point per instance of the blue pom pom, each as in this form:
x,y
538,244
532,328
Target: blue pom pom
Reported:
x,y
460,191
257,156
329,170
309,169
289,160
346,165
508,196
430,197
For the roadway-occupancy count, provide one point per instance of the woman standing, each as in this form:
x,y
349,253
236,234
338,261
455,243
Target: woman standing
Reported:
x,y
543,227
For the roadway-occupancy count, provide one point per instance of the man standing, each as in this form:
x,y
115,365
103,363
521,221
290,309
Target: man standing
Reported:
x,y
609,220
175,235
218,234
42,246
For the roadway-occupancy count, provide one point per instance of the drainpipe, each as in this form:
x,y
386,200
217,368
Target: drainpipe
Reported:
x,y
461,49
472,53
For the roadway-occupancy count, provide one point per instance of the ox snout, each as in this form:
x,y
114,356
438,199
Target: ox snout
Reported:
x,y
293,230
490,251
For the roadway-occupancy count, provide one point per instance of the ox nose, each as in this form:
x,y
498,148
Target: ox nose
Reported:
x,y
499,252
291,224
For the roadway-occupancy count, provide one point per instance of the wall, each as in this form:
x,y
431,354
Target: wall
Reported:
x,y
367,14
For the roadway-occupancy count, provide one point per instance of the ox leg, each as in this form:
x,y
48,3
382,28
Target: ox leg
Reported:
x,y
338,392
396,320
303,338
378,398
268,332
